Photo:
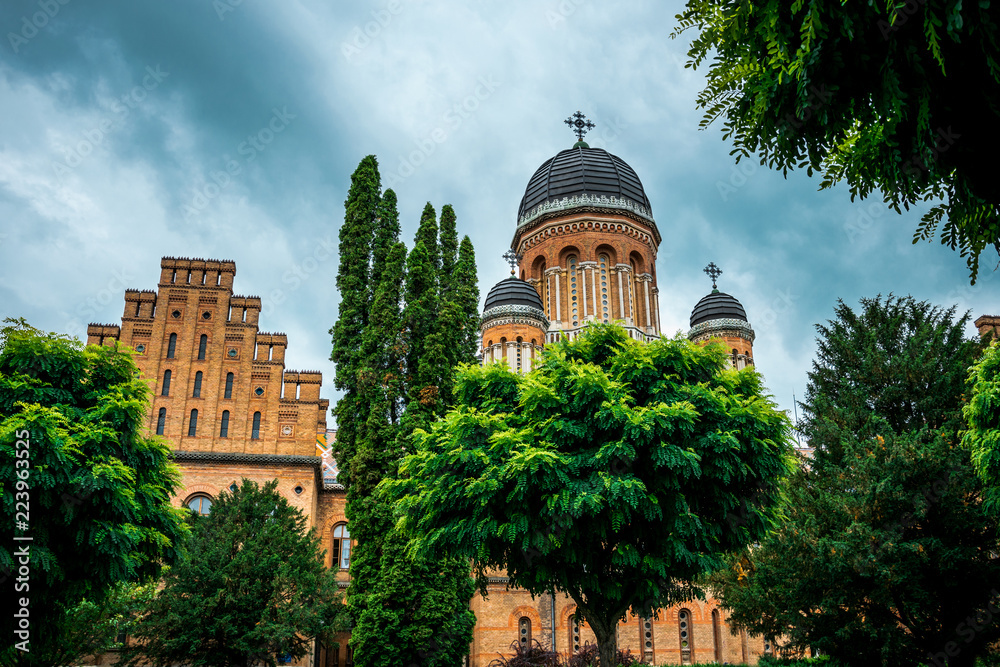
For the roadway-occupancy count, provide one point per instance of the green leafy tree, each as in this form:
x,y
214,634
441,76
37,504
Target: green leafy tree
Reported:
x,y
92,490
252,590
887,555
784,77
362,209
983,416
614,472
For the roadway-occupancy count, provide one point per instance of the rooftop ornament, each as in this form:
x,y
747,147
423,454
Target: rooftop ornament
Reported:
x,y
577,123
713,272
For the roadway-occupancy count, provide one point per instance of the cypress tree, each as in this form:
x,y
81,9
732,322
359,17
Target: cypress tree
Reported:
x,y
386,236
428,233
420,319
467,297
376,455
449,246
361,211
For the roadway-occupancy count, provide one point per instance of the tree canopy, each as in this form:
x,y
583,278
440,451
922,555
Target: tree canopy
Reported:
x,y
898,97
887,555
615,471
92,490
983,416
252,590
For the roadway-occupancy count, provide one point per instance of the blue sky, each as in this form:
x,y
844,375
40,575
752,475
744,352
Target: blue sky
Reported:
x,y
229,129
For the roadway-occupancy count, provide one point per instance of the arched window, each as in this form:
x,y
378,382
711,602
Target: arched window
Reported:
x,y
165,389
647,640
342,546
229,385
686,632
172,346
161,420
200,504
574,633
197,385
717,635
573,303
224,428
524,632
202,346
193,424
255,433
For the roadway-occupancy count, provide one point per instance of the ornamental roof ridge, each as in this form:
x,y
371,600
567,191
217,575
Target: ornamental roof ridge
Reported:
x,y
573,201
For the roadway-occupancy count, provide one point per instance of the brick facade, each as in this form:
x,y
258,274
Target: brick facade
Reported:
x,y
254,420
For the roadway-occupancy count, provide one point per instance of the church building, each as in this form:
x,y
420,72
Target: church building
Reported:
x,y
585,244
583,249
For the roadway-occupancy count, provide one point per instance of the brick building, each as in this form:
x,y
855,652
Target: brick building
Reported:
x,y
225,402
586,243
587,246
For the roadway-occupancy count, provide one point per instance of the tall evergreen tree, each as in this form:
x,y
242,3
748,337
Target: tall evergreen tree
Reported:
x,y
428,233
449,245
361,211
887,554
420,319
376,455
386,236
467,281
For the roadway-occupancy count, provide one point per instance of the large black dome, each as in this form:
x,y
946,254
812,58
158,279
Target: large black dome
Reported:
x,y
513,292
717,306
582,170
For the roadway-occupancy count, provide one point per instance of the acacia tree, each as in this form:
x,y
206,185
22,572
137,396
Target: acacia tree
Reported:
x,y
253,589
983,416
784,77
615,472
887,555
93,491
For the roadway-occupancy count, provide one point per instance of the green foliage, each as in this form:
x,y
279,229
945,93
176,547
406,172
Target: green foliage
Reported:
x,y
97,493
918,126
386,236
467,297
886,554
253,589
420,317
361,212
405,358
449,245
427,233
95,628
983,416
615,472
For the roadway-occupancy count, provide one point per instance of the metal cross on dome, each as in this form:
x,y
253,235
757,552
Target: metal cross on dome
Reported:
x,y
713,272
577,124
512,258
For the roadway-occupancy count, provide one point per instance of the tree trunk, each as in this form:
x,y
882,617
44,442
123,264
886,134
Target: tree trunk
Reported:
x,y
607,641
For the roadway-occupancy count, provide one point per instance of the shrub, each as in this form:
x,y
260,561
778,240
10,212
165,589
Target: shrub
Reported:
x,y
532,655
588,656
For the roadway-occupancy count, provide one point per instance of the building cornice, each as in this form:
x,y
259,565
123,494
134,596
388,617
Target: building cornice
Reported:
x,y
722,327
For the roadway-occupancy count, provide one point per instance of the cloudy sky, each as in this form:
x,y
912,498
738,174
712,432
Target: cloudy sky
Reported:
x,y
229,129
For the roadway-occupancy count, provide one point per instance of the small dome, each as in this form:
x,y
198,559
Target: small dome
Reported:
x,y
718,306
513,292
582,170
